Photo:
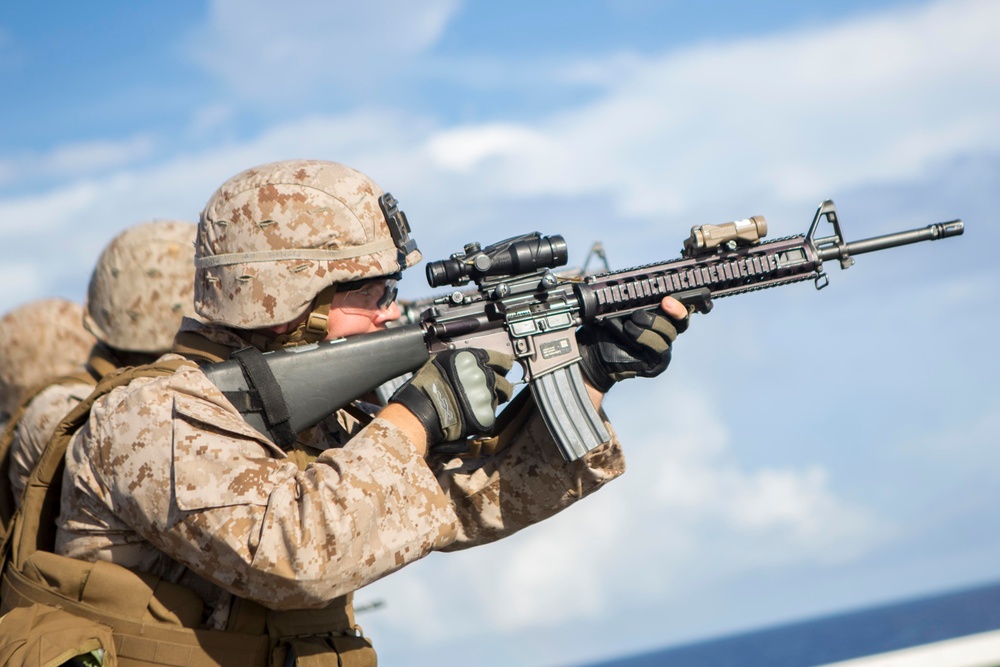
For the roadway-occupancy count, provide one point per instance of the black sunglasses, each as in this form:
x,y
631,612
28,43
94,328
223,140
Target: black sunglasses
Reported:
x,y
388,283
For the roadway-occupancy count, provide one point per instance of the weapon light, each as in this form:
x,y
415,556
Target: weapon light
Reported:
x,y
731,234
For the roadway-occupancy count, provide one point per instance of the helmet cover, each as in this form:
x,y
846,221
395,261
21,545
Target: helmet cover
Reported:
x,y
39,340
273,237
143,286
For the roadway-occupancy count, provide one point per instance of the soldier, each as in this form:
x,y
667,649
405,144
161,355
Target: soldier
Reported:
x,y
140,289
166,480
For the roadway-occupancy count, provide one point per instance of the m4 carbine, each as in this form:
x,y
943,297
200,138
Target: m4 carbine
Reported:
x,y
521,307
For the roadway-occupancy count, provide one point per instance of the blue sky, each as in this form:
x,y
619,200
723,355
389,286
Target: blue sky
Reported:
x,y
807,452
131,68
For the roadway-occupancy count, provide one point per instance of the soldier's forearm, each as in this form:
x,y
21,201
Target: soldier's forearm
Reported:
x,y
494,498
406,422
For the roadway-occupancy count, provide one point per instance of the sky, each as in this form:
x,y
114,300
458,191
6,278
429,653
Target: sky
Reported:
x,y
807,452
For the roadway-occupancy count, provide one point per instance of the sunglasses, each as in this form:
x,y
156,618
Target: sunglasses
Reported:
x,y
370,293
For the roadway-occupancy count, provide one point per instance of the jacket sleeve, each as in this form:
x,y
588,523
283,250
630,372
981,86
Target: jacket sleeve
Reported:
x,y
166,472
525,482
172,461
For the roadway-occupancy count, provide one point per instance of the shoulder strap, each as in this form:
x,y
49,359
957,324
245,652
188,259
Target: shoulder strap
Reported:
x,y
194,346
102,361
33,526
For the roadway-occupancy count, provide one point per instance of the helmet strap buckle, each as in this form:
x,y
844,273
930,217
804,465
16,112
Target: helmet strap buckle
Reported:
x,y
316,324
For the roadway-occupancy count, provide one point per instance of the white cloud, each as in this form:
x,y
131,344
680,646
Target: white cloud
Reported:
x,y
801,115
677,517
272,52
780,121
41,214
22,281
74,161
211,118
462,149
964,441
97,155
696,482
85,213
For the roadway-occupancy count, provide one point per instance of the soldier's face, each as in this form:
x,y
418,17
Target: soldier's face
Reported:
x,y
359,311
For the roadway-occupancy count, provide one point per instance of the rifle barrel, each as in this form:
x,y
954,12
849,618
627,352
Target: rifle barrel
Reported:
x,y
929,233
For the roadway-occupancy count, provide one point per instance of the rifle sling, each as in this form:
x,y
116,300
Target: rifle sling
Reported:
x,y
263,395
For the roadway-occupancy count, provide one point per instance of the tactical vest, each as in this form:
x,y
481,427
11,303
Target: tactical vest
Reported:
x,y
137,618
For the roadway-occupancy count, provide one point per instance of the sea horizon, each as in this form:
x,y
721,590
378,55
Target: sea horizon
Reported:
x,y
839,636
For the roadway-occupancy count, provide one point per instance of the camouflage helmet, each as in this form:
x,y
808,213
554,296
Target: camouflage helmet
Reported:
x,y
143,286
273,237
39,340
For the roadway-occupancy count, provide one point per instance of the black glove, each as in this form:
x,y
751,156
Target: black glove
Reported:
x,y
621,348
456,393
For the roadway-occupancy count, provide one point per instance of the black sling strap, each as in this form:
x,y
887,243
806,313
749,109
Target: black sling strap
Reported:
x,y
263,395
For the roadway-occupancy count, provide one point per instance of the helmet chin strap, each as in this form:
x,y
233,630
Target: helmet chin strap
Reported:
x,y
313,329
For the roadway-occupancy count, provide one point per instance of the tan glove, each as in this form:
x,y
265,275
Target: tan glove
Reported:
x,y
456,393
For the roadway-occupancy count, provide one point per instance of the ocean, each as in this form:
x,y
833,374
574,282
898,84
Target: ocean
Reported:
x,y
838,637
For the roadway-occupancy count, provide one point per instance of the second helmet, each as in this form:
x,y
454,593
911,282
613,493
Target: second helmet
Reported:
x,y
142,286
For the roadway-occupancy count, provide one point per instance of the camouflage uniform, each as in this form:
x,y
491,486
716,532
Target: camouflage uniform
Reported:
x,y
140,289
232,508
166,477
36,426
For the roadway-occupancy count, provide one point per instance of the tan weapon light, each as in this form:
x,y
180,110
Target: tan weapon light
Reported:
x,y
730,234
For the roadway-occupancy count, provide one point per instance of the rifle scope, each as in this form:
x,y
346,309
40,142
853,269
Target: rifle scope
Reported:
x,y
517,256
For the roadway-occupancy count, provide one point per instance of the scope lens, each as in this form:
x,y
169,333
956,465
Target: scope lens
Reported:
x,y
445,272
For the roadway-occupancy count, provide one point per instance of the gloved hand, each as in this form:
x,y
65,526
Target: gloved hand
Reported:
x,y
456,393
621,348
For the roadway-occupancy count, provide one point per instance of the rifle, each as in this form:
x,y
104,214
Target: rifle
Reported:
x,y
521,307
